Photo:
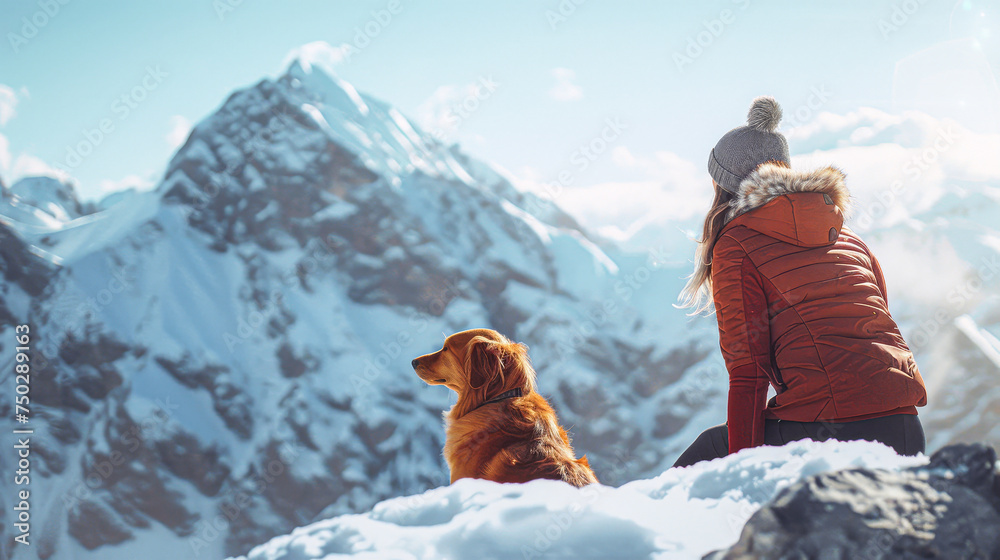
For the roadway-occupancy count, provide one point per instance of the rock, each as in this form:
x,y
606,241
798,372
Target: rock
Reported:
x,y
93,525
973,466
19,266
945,509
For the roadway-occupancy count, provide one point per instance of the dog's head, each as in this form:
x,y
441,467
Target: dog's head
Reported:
x,y
478,364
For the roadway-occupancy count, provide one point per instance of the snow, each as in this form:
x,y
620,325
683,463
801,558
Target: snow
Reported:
x,y
983,339
386,141
67,241
683,513
540,229
38,206
339,210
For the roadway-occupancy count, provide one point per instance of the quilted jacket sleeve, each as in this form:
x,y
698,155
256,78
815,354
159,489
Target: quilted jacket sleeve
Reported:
x,y
744,337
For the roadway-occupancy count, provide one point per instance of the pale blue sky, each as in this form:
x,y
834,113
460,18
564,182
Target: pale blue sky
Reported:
x,y
620,55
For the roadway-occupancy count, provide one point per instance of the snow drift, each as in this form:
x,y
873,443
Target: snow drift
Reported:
x,y
684,513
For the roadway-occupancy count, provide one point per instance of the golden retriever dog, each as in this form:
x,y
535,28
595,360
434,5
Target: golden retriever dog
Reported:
x,y
500,428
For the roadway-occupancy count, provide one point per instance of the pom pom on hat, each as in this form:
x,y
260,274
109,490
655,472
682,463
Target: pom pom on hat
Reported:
x,y
765,114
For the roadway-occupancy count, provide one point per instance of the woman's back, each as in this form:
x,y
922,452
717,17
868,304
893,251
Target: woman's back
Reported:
x,y
801,297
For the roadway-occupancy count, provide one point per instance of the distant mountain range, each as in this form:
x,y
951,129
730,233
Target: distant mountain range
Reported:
x,y
237,341
226,357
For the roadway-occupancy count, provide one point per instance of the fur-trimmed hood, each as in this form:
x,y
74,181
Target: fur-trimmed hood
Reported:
x,y
812,215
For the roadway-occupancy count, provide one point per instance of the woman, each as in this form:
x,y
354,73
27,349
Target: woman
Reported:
x,y
801,306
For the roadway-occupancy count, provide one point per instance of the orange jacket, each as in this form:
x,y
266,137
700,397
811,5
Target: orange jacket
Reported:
x,y
801,304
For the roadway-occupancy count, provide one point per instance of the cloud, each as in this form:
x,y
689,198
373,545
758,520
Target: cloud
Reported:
x,y
897,165
108,186
23,165
8,103
321,54
565,89
4,153
953,79
445,110
658,193
27,165
180,127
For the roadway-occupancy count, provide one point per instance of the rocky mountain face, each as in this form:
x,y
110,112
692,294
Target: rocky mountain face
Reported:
x,y
226,357
23,277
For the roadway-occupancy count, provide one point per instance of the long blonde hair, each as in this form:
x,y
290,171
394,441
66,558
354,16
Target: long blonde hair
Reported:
x,y
698,291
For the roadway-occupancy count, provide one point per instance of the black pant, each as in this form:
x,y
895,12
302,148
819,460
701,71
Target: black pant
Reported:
x,y
902,432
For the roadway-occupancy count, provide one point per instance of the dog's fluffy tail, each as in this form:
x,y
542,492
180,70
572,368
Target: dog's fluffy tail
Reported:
x,y
579,473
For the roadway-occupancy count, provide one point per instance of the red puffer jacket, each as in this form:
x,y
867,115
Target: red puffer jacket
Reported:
x,y
801,304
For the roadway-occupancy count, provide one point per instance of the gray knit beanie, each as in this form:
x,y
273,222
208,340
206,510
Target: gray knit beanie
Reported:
x,y
744,148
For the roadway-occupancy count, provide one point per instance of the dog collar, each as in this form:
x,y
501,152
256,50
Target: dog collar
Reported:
x,y
513,393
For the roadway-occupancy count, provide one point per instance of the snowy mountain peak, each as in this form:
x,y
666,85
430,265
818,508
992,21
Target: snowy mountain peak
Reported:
x,y
386,141
41,203
286,154
335,91
305,242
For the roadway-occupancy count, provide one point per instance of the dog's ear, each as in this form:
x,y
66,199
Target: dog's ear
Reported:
x,y
484,363
518,370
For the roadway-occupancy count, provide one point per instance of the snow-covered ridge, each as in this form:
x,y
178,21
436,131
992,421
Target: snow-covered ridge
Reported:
x,y
682,514
40,204
258,309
